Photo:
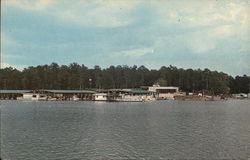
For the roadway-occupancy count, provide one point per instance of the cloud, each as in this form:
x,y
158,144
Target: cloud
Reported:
x,y
111,13
204,41
32,5
96,18
137,52
202,26
201,13
96,13
100,13
181,31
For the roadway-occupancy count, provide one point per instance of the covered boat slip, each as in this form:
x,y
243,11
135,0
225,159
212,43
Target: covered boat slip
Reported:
x,y
135,95
12,94
124,95
51,94
121,95
70,94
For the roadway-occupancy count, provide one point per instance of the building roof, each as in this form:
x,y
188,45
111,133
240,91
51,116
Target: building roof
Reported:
x,y
164,87
140,91
15,91
136,91
100,94
69,91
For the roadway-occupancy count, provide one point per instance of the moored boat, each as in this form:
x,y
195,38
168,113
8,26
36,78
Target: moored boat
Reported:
x,y
129,98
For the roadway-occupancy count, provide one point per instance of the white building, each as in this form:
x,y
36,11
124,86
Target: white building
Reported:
x,y
165,92
101,97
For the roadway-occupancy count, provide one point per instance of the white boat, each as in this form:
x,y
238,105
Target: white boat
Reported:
x,y
129,98
75,98
34,97
101,97
240,96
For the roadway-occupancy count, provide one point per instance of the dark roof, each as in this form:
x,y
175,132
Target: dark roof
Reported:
x,y
136,91
15,91
69,91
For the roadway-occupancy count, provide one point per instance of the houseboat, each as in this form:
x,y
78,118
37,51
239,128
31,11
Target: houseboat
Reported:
x,y
129,98
135,95
33,97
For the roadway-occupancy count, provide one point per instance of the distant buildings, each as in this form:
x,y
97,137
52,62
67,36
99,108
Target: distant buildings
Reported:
x,y
44,94
124,95
163,92
12,94
145,93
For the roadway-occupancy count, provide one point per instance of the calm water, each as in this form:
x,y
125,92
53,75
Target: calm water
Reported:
x,y
155,130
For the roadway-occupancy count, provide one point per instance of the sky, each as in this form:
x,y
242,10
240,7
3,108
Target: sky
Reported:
x,y
212,34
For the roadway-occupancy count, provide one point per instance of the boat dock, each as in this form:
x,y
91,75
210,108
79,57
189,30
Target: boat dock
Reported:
x,y
145,93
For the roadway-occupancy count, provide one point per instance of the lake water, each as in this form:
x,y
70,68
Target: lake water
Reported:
x,y
150,130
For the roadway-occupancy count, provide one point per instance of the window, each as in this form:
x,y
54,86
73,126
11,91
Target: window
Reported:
x,y
165,90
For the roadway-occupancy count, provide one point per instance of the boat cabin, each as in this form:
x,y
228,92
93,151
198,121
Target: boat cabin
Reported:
x,y
100,97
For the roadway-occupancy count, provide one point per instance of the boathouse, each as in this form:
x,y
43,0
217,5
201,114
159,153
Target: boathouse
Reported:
x,y
12,94
70,94
163,92
49,94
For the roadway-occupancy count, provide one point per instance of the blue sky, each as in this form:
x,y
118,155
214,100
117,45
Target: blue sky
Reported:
x,y
212,34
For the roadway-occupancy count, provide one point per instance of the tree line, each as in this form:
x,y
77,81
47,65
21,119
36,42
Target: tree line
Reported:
x,y
75,76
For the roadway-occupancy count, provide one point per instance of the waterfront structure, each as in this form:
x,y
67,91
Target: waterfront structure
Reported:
x,y
100,97
133,95
33,96
124,95
75,98
163,92
12,94
70,94
49,94
129,98
120,95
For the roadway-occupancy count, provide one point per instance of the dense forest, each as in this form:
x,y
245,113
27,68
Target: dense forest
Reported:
x,y
75,76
